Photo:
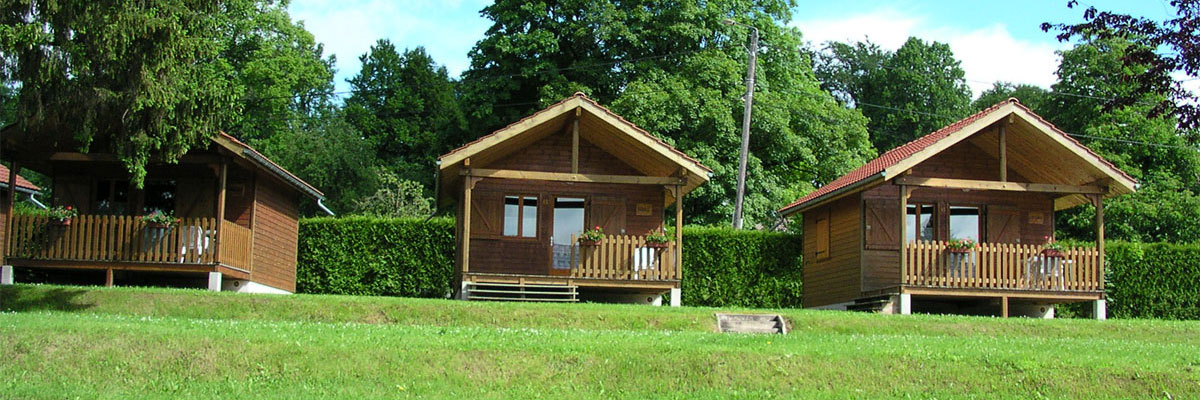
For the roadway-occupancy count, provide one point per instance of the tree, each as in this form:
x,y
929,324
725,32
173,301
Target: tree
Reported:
x,y
396,198
1148,146
142,80
674,69
329,154
906,94
1162,48
405,105
279,70
1034,97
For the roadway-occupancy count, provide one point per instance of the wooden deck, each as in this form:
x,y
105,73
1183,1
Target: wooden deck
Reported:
x,y
1003,267
128,243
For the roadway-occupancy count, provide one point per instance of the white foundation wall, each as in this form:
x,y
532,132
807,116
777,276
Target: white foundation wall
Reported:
x,y
244,286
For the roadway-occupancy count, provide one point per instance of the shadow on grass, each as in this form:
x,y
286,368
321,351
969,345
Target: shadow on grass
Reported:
x,y
22,298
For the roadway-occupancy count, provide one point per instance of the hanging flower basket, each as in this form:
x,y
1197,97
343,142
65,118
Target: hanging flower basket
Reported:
x,y
657,239
657,245
591,237
61,216
1052,253
960,246
587,242
159,220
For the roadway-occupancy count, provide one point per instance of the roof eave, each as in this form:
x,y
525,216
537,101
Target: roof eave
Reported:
x,y
834,195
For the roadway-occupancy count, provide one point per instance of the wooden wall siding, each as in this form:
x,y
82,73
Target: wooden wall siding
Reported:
x,y
1027,208
276,228
837,278
553,154
965,161
3,223
493,253
880,269
239,196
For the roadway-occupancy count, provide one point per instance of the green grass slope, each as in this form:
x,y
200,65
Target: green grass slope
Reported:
x,y
58,342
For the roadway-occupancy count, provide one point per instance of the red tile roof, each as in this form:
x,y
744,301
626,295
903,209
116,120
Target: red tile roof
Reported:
x,y
583,97
894,156
21,181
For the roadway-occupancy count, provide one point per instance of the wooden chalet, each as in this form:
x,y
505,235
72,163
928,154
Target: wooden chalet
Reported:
x,y
526,192
237,229
878,238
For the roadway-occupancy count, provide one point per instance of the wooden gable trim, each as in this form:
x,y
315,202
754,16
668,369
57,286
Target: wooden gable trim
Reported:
x,y
641,137
1125,183
511,131
950,140
1001,186
567,177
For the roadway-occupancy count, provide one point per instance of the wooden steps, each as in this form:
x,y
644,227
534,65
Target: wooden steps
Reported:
x,y
872,304
522,292
751,323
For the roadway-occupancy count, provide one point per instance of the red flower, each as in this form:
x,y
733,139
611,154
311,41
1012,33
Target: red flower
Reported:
x,y
68,207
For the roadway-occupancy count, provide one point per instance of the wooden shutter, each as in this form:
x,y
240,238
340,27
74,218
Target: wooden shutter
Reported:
x,y
75,192
1003,226
820,232
881,221
609,215
194,198
487,213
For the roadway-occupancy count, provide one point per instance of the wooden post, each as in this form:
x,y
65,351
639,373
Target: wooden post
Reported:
x,y
903,236
1003,155
108,277
220,210
1099,202
8,212
1004,306
468,184
678,231
575,143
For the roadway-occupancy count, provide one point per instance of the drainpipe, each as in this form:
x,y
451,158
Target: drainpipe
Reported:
x,y
36,202
323,208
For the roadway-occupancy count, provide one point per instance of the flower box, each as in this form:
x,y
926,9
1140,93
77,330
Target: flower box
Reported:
x,y
1052,253
587,242
954,250
158,225
657,245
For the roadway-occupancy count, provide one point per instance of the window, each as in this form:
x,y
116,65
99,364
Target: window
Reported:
x,y
964,223
821,229
110,197
160,196
520,216
919,222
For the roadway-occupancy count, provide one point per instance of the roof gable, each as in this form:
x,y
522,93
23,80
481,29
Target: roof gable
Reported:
x,y
597,125
896,161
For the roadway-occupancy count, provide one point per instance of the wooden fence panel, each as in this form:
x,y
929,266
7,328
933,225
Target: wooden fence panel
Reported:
x,y
1001,266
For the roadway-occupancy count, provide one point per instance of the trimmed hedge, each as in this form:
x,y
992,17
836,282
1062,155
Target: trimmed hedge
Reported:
x,y
723,267
411,257
376,256
1153,280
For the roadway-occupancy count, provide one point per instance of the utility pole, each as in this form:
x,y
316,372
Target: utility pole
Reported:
x,y
749,99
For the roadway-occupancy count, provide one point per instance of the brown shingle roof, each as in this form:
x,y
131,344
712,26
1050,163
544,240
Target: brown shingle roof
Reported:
x,y
21,181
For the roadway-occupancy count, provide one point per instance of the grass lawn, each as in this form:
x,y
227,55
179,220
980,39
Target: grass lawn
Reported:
x,y
58,342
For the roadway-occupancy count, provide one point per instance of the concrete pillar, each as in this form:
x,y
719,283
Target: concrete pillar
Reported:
x,y
6,275
1100,309
214,281
676,297
462,290
905,304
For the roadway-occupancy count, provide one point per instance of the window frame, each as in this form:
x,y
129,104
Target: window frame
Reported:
x,y
934,217
521,197
981,225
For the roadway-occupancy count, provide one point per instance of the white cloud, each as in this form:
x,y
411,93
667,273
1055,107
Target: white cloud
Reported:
x,y
988,54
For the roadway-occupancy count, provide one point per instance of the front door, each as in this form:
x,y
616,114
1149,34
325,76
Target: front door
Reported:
x,y
568,221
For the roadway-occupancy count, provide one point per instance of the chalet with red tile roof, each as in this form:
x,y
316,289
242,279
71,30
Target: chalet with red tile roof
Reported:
x,y
235,229
527,193
958,221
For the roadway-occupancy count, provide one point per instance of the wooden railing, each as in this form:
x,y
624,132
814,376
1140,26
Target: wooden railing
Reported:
x,y
624,257
237,244
1002,266
112,238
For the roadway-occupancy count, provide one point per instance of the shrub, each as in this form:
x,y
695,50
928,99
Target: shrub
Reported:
x,y
376,256
723,267
1155,280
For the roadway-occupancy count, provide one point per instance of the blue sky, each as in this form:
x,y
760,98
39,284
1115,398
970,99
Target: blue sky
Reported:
x,y
994,40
